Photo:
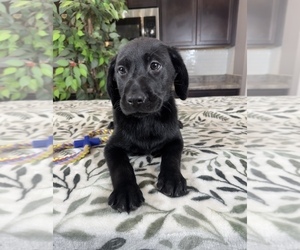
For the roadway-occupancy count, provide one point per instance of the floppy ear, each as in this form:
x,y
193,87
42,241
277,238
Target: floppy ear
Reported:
x,y
111,84
181,81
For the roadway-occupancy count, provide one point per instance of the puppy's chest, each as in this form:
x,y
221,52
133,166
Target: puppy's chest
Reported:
x,y
147,137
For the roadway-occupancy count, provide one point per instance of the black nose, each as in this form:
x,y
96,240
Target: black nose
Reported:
x,y
136,99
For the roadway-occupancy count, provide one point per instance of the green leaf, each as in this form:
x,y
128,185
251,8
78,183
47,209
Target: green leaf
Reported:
x,y
37,72
154,227
101,61
59,70
24,81
56,35
113,35
31,206
83,70
80,33
185,221
114,12
42,33
76,204
190,242
5,34
69,81
62,62
9,71
16,96
102,83
66,3
129,224
101,74
74,85
47,70
56,93
2,8
112,27
5,93
76,71
66,72
14,62
39,15
33,84
78,15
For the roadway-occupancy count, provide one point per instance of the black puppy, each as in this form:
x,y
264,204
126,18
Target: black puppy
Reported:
x,y
139,83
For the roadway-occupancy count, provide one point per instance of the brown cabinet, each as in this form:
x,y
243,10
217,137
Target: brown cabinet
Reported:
x,y
177,19
137,4
265,22
198,23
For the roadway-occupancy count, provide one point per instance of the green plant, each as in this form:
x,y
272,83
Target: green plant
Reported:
x,y
84,41
25,49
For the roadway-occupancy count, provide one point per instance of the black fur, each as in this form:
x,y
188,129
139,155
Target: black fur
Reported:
x,y
145,118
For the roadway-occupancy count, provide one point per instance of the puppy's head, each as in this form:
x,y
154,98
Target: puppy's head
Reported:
x,y
141,76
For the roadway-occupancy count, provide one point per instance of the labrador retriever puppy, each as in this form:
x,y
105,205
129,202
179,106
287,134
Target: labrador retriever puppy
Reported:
x,y
139,83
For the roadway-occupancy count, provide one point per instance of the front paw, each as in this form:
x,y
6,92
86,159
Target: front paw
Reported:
x,y
126,198
172,185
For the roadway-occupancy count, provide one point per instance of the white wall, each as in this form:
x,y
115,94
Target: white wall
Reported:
x,y
207,61
262,61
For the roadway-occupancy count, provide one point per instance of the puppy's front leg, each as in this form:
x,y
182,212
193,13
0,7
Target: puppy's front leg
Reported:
x,y
126,195
170,180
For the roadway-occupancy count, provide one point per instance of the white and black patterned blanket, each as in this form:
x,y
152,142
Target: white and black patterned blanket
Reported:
x,y
212,216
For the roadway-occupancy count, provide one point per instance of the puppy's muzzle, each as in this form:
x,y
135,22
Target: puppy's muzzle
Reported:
x,y
136,99
135,96
139,98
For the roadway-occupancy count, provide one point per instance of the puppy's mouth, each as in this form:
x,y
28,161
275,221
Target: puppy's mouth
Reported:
x,y
140,114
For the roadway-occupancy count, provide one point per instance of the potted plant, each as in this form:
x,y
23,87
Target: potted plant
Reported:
x,y
26,50
84,41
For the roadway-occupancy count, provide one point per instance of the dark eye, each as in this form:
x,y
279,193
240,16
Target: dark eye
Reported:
x,y
155,66
122,70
